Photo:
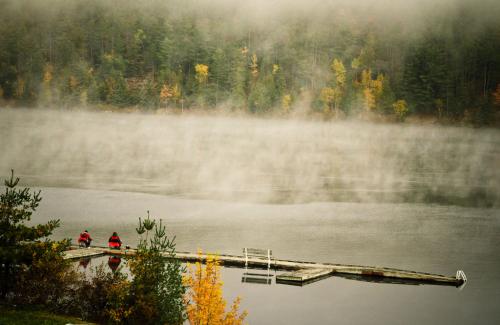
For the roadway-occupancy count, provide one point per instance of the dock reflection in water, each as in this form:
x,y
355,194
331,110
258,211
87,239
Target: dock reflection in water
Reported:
x,y
84,262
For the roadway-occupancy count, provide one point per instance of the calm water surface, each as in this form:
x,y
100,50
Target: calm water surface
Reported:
x,y
438,239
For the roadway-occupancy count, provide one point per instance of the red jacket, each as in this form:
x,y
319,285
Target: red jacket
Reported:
x,y
114,242
84,236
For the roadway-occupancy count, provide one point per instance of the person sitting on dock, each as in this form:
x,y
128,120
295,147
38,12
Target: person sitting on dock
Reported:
x,y
114,241
84,239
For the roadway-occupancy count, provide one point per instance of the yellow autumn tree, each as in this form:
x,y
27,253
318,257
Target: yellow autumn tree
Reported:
x,y
340,79
327,97
176,92
372,88
286,102
378,85
355,63
340,73
254,66
205,303
46,95
201,73
400,109
276,68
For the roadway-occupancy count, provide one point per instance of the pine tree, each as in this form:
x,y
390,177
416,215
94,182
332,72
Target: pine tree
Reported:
x,y
21,245
157,288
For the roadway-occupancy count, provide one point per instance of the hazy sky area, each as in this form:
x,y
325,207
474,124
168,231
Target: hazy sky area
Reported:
x,y
266,18
264,12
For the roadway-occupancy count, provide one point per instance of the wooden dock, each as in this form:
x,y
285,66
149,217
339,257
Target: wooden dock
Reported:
x,y
305,272
78,253
303,276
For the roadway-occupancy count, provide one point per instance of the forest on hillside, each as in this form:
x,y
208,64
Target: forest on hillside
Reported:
x,y
327,57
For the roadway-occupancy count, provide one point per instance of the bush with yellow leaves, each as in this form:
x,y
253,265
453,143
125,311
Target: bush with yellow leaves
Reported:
x,y
205,303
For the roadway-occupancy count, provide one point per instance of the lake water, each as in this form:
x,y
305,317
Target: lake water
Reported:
x,y
419,198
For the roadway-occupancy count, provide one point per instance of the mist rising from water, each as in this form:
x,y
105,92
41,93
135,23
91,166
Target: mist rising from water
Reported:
x,y
249,159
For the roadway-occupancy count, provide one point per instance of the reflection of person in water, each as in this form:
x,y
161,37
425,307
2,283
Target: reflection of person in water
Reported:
x,y
84,262
114,262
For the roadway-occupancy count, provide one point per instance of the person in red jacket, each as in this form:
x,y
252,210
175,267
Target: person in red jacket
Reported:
x,y
114,241
84,239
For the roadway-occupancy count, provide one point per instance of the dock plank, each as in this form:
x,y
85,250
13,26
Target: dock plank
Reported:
x,y
289,265
83,253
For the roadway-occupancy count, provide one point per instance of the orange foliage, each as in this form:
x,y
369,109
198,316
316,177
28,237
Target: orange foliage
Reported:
x,y
170,93
165,92
73,82
496,96
205,303
47,73
20,87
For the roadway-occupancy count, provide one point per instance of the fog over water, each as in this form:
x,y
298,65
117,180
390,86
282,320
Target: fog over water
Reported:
x,y
253,159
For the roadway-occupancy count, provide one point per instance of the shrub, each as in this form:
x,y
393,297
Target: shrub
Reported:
x,y
103,297
400,109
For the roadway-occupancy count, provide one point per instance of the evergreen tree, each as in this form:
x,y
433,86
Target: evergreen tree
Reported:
x,y
156,289
23,246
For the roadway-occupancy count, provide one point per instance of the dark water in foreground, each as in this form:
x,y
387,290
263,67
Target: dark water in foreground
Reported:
x,y
429,238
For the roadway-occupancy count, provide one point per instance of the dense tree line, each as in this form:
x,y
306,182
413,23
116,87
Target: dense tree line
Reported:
x,y
341,60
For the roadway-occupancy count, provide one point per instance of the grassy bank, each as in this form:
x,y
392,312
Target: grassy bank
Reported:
x,y
34,315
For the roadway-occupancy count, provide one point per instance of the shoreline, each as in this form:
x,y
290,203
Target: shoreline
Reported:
x,y
297,114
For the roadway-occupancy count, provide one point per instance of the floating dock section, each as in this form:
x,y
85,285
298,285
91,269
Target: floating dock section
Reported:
x,y
303,276
302,272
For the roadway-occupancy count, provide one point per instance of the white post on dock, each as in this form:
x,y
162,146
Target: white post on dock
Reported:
x,y
246,257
